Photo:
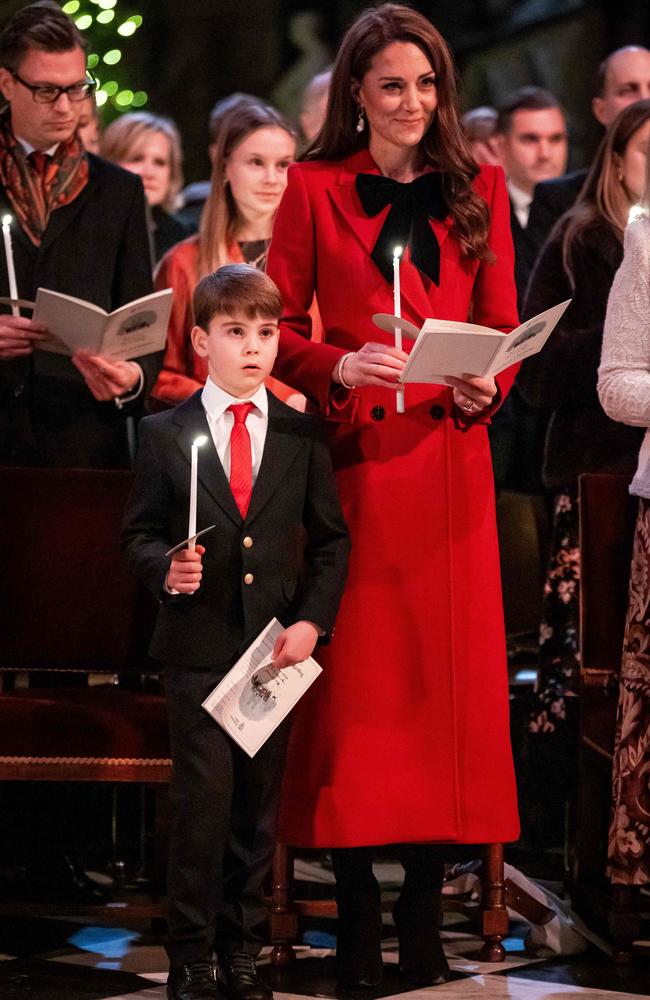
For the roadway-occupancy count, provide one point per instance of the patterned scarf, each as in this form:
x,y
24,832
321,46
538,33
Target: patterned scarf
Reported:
x,y
35,197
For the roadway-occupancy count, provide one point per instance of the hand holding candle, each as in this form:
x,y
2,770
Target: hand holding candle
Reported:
x,y
397,311
9,257
196,444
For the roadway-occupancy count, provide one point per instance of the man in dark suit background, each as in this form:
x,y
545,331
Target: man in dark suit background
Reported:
x,y
622,78
78,228
532,141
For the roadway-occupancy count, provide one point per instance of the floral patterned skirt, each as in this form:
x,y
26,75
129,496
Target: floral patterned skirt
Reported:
x,y
555,707
629,834
548,765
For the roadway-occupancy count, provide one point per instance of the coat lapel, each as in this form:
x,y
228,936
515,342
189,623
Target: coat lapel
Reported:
x,y
346,201
281,446
192,421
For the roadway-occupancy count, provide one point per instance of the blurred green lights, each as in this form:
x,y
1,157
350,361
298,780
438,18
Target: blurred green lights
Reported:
x,y
125,98
109,27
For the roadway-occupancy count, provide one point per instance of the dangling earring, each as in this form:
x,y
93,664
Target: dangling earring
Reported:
x,y
361,120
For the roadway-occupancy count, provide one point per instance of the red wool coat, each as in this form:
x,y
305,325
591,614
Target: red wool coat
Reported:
x,y
405,735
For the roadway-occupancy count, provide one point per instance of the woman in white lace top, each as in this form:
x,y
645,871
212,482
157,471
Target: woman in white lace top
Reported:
x,y
624,391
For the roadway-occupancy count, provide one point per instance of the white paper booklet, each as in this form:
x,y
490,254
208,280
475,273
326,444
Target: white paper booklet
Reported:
x,y
133,330
443,347
253,698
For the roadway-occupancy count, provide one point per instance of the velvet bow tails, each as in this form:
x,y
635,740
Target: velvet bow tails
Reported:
x,y
407,223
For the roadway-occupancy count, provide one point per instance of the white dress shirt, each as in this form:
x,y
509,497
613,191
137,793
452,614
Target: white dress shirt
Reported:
x,y
28,148
216,402
521,202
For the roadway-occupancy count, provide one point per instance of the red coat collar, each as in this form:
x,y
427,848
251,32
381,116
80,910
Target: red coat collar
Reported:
x,y
346,202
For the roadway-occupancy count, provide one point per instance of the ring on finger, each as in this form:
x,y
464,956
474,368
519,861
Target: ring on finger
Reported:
x,y
469,405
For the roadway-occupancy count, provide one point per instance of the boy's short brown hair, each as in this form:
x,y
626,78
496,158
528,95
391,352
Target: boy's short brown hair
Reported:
x,y
236,288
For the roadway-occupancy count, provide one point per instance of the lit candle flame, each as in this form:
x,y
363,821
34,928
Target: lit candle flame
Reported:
x,y
397,252
7,220
201,439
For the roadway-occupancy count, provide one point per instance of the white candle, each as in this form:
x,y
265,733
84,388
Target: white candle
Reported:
x,y
196,444
397,311
9,256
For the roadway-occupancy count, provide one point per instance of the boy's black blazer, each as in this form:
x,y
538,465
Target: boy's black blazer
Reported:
x,y
293,543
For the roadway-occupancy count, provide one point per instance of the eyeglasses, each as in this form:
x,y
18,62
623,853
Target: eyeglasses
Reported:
x,y
49,94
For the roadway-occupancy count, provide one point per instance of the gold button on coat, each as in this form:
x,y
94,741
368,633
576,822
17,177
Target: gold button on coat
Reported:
x,y
249,578
247,542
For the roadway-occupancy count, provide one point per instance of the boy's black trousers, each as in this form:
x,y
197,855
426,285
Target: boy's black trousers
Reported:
x,y
225,806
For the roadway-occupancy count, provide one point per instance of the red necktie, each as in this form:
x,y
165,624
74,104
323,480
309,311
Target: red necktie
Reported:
x,y
39,162
241,463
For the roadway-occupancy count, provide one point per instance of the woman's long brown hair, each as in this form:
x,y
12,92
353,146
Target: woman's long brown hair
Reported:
x,y
444,146
241,115
604,195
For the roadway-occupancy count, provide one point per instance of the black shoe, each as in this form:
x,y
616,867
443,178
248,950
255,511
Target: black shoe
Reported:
x,y
193,981
358,982
430,975
359,965
239,978
422,960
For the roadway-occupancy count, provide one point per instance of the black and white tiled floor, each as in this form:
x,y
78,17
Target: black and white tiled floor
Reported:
x,y
72,959
46,959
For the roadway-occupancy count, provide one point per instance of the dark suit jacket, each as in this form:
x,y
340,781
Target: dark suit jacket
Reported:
x,y
563,377
517,430
294,495
526,251
95,248
551,200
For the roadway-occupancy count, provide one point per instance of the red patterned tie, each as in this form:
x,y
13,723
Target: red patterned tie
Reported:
x,y
40,162
241,463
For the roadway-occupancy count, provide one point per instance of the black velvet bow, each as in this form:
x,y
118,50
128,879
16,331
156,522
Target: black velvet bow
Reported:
x,y
407,223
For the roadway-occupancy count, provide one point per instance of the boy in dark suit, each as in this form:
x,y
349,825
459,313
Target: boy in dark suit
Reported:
x,y
279,549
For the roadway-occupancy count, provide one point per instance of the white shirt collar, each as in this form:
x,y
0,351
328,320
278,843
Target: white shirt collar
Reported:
x,y
27,148
216,401
521,202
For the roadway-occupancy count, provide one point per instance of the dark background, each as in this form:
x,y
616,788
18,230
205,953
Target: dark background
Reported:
x,y
188,54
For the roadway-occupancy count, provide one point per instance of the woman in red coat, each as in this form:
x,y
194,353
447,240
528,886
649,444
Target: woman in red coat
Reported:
x,y
405,739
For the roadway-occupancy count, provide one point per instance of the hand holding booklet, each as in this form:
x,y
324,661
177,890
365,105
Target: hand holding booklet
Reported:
x,y
254,697
133,330
443,347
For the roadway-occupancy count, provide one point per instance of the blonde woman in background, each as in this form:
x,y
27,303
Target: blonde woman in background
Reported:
x,y
150,146
624,391
252,151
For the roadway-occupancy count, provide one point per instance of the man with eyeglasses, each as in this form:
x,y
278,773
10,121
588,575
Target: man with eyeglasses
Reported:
x,y
78,228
